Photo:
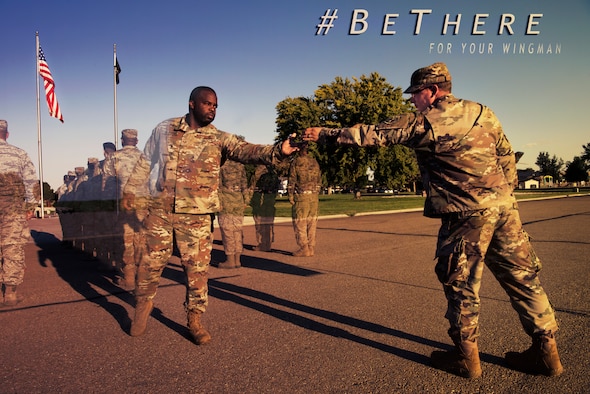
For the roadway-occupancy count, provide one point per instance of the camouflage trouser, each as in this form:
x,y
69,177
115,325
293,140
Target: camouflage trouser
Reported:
x,y
231,233
127,235
264,226
14,234
495,237
194,241
305,219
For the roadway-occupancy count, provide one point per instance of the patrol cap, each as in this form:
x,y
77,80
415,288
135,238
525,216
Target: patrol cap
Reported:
x,y
71,173
109,145
129,133
79,169
3,126
429,75
92,160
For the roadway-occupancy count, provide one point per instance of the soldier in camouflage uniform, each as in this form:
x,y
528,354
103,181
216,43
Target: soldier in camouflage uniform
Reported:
x,y
19,196
265,189
126,233
234,196
185,154
305,183
469,173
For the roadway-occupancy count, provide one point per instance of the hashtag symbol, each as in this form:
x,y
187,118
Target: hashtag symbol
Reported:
x,y
327,21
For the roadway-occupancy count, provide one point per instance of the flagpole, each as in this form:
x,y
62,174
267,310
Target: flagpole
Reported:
x,y
115,76
115,140
39,144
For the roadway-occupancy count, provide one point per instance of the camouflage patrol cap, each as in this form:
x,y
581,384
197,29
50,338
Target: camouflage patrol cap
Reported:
x,y
92,160
129,133
72,173
429,75
109,145
79,170
3,126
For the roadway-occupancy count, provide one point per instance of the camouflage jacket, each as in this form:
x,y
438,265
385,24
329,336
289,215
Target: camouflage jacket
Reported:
x,y
118,167
18,179
465,160
304,176
182,164
233,188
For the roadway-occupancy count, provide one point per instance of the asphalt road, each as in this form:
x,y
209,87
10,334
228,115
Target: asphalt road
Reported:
x,y
361,316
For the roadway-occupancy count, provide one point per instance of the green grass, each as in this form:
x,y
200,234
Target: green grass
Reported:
x,y
345,204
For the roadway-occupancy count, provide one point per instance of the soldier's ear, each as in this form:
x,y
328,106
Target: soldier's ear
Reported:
x,y
191,104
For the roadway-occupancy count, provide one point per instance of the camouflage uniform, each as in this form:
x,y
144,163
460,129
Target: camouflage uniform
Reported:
x,y
469,173
266,186
234,196
185,164
69,211
19,195
305,182
126,234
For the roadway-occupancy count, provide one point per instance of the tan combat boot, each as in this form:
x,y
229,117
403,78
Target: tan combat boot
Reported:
x,y
10,297
143,309
230,262
462,361
237,260
540,359
302,252
200,335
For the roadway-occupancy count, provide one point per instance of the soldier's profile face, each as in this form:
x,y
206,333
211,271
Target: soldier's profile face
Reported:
x,y
204,107
422,99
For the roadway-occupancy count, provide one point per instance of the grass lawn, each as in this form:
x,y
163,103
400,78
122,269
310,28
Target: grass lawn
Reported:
x,y
338,204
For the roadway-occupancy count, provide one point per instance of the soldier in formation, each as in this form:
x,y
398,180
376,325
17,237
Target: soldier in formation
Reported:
x,y
234,196
469,174
303,188
265,185
19,196
126,235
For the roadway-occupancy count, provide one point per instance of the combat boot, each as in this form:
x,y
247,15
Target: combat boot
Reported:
x,y
302,252
238,257
229,262
540,359
462,361
10,296
200,335
143,309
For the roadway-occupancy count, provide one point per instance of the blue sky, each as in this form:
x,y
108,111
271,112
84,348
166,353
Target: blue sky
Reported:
x,y
259,52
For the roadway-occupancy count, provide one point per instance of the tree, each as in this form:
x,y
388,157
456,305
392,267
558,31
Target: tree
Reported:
x,y
576,170
48,194
550,165
586,155
344,103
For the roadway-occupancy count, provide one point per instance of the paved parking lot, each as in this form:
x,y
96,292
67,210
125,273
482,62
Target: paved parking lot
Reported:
x,y
362,315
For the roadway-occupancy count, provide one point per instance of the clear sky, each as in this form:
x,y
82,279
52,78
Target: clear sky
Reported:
x,y
256,53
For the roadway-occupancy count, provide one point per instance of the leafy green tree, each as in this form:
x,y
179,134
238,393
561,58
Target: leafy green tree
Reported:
x,y
344,103
550,165
576,170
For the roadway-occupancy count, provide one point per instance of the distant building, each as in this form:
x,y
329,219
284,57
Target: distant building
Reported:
x,y
528,179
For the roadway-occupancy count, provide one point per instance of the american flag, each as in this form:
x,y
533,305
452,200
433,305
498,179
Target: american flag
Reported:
x,y
52,103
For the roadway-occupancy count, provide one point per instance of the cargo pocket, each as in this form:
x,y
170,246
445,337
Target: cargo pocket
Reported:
x,y
535,262
452,263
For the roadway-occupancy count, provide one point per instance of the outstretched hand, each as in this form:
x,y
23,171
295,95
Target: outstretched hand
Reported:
x,y
312,134
287,148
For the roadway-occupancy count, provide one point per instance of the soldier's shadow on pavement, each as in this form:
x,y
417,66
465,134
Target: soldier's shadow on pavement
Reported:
x,y
237,294
83,274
